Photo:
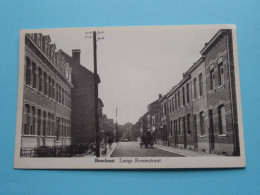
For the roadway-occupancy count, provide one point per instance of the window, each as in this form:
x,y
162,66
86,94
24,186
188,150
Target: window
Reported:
x,y
202,125
58,128
212,78
201,84
65,98
69,130
188,124
57,92
180,131
153,120
183,124
45,83
33,126
52,54
34,75
69,76
183,96
195,88
44,124
27,120
39,41
39,123
188,93
171,129
65,128
195,124
53,125
49,124
28,71
61,132
53,89
176,106
220,71
46,48
49,89
170,105
43,44
62,96
222,120
58,60
40,79
35,37
179,104
173,107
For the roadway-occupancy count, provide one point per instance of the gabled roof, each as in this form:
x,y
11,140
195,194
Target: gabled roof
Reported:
x,y
47,37
213,39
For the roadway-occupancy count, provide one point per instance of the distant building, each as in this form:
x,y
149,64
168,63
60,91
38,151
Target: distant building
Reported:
x,y
47,94
162,135
135,131
143,124
82,100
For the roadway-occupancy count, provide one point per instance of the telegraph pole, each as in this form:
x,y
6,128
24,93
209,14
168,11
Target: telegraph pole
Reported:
x,y
95,39
116,127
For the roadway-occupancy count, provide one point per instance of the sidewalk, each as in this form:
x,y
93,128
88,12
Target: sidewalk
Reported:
x,y
183,152
110,151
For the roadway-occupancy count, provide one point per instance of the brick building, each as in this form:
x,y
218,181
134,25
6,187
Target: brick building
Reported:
x,y
200,112
143,124
162,134
221,94
47,94
82,100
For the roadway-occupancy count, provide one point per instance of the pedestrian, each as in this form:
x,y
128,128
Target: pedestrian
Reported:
x,y
110,141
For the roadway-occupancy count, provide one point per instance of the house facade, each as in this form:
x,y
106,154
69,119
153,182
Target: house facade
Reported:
x,y
82,100
46,117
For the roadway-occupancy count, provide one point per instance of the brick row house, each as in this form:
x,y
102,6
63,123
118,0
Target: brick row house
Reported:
x,y
58,108
47,94
82,100
200,112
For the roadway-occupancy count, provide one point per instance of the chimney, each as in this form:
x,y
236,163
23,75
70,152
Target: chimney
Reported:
x,y
160,96
76,55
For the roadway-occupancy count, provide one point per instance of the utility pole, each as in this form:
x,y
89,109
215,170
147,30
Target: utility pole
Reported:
x,y
95,39
116,127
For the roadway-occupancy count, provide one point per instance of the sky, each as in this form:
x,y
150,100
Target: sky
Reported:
x,y
136,64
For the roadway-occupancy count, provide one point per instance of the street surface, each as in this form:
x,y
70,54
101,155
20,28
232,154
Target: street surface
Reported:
x,y
133,149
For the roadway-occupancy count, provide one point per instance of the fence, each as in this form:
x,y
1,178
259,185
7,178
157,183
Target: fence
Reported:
x,y
57,151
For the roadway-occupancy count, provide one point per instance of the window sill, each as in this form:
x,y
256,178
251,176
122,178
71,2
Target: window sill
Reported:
x,y
201,97
202,136
212,91
26,135
221,86
222,135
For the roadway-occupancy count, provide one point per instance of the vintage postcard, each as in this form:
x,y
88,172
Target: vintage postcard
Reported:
x,y
129,97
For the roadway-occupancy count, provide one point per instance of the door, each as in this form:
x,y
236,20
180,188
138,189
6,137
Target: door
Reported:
x,y
184,132
211,132
195,133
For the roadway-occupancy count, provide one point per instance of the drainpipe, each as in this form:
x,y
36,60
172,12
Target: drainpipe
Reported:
x,y
235,134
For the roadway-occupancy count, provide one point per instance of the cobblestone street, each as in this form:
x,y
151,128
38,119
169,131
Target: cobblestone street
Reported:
x,y
133,149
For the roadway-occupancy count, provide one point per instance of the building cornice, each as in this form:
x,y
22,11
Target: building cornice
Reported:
x,y
208,45
50,62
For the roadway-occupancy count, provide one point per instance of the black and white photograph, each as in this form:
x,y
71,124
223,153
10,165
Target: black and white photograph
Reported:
x,y
129,97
